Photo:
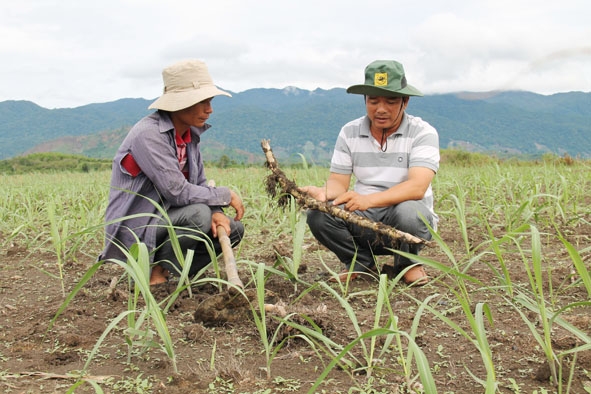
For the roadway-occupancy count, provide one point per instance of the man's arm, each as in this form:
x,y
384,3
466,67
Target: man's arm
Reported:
x,y
158,161
414,188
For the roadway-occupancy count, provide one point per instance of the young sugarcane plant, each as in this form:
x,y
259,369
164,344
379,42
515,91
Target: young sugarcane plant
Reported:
x,y
137,267
59,234
578,263
297,221
259,313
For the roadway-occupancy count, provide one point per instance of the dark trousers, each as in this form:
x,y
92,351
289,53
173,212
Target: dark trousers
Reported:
x,y
354,244
191,222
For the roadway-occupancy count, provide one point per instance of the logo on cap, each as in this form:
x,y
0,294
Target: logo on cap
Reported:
x,y
380,79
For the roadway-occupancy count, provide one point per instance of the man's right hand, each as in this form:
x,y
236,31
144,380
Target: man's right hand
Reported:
x,y
335,185
318,193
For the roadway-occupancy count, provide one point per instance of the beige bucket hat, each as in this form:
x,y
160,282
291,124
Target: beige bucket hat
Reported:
x,y
186,83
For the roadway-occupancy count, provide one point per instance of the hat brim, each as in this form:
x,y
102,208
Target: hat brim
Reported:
x,y
370,90
175,101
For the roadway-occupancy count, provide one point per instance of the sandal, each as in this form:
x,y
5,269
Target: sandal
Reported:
x,y
344,276
416,276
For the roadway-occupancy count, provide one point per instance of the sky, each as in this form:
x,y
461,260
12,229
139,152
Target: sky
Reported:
x,y
69,53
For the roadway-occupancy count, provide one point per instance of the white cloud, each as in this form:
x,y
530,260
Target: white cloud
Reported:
x,y
70,53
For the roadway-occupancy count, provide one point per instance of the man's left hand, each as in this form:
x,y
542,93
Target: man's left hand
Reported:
x,y
236,203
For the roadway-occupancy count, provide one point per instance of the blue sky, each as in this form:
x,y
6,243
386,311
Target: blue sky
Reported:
x,y
66,53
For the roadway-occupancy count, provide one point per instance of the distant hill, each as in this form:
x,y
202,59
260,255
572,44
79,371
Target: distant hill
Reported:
x,y
307,122
24,125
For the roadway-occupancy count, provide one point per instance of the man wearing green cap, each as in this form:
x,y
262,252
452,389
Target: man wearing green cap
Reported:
x,y
393,157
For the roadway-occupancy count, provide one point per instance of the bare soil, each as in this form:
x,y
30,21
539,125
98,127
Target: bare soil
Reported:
x,y
219,349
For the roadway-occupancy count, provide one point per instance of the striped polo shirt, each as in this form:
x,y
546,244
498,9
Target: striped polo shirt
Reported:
x,y
414,144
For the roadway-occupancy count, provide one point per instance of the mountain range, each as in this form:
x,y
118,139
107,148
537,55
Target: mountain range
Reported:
x,y
303,122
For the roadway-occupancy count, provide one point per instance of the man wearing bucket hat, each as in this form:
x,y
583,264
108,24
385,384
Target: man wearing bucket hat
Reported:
x,y
394,157
159,164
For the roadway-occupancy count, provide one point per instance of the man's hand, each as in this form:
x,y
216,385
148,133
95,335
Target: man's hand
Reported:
x,y
236,203
353,201
335,185
219,219
318,193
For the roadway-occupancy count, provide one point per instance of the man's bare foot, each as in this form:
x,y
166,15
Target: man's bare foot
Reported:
x,y
158,275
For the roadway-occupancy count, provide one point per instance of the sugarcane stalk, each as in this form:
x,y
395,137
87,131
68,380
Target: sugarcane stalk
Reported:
x,y
305,200
228,255
229,260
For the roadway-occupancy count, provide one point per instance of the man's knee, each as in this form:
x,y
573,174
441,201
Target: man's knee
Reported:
x,y
312,217
410,217
317,221
196,216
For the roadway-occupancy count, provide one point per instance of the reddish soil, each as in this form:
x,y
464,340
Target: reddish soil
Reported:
x,y
222,352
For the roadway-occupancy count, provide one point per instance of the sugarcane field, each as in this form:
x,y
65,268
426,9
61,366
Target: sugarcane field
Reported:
x,y
506,308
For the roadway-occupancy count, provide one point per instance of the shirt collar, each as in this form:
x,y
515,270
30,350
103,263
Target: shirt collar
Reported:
x,y
184,139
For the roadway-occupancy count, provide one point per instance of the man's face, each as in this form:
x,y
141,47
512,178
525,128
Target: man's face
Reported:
x,y
385,112
197,114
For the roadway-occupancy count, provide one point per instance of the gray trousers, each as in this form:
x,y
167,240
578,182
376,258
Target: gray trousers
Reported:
x,y
186,220
358,245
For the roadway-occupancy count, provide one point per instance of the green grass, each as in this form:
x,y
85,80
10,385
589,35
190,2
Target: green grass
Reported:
x,y
501,212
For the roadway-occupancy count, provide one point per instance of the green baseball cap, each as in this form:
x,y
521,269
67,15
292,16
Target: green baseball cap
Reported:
x,y
385,78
